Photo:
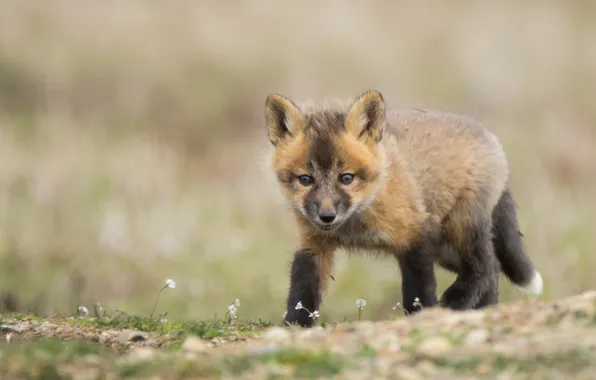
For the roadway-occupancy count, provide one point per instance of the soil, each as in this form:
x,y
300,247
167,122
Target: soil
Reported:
x,y
526,339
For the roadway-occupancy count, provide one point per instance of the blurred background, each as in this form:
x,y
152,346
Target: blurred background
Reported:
x,y
133,148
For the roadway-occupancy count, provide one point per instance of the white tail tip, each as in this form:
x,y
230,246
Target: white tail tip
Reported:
x,y
534,287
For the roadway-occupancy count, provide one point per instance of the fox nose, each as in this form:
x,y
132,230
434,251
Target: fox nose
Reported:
x,y
327,216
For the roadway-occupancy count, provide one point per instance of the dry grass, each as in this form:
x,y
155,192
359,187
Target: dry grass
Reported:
x,y
131,139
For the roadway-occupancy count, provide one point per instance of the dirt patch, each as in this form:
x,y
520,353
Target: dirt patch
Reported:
x,y
518,340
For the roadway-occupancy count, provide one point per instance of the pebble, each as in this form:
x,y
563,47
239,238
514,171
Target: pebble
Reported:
x,y
17,327
103,337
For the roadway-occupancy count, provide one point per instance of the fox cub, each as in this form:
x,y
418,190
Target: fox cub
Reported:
x,y
423,186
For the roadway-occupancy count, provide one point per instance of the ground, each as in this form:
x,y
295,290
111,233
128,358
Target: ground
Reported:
x,y
526,339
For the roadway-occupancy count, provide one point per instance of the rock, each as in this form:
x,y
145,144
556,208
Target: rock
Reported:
x,y
17,327
132,336
103,337
107,336
276,334
434,346
194,344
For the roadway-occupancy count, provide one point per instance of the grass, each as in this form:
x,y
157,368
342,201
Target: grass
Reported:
x,y
173,334
205,329
123,163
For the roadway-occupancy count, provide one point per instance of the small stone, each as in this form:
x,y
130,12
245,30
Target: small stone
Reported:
x,y
276,334
17,327
103,337
476,337
434,346
132,336
194,344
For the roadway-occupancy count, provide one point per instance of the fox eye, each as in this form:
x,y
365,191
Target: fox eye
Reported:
x,y
305,180
346,178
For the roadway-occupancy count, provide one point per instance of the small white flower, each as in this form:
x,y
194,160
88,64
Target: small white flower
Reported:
x,y
170,283
314,314
237,302
298,306
360,303
396,306
232,310
84,310
7,337
417,302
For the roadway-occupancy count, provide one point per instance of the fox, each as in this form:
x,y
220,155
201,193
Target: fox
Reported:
x,y
426,187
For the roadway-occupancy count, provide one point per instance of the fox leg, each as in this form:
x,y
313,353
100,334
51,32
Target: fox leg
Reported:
x,y
418,277
491,294
477,278
310,271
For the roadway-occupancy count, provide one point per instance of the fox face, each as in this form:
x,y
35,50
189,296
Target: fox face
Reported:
x,y
329,163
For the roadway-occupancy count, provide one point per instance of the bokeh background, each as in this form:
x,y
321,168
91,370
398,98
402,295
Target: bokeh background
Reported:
x,y
133,149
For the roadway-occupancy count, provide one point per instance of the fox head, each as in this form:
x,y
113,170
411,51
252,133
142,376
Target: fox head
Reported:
x,y
329,163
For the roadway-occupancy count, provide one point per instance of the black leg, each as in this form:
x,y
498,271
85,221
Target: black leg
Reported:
x,y
477,271
491,294
418,277
305,287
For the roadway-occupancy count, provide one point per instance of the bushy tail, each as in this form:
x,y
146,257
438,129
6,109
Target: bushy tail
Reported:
x,y
509,247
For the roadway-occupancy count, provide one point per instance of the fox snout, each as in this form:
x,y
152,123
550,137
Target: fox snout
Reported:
x,y
326,213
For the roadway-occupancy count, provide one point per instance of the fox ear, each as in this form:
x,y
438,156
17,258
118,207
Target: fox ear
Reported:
x,y
366,117
284,119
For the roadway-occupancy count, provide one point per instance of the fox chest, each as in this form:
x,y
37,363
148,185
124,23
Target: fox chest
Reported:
x,y
365,239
